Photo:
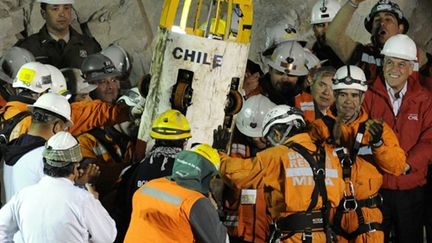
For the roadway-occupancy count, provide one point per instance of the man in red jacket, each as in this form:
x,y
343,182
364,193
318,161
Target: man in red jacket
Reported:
x,y
404,104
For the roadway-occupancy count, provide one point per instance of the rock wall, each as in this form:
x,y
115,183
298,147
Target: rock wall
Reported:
x,y
133,23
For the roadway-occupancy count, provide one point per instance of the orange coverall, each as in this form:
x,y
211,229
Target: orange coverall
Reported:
x,y
286,178
365,176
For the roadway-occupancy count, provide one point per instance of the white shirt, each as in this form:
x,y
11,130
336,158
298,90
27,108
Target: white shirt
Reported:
x,y
28,170
54,210
396,98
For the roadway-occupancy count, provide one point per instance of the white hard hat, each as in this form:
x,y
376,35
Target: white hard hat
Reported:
x,y
312,61
75,82
283,30
56,1
34,76
58,84
249,120
132,97
324,11
54,103
350,77
12,61
119,57
62,149
400,46
288,57
281,114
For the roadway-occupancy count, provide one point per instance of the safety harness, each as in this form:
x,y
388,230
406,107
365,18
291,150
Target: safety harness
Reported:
x,y
308,221
349,203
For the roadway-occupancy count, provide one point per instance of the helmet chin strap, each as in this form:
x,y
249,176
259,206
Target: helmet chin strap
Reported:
x,y
283,138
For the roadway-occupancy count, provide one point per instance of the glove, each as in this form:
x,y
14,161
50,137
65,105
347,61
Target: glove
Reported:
x,y
137,110
375,128
221,138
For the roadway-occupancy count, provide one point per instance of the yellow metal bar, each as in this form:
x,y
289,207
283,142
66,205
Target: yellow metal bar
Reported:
x,y
185,14
198,15
245,25
228,21
217,18
169,11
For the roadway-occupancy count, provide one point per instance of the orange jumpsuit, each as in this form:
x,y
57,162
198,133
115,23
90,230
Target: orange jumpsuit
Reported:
x,y
286,179
85,116
11,109
110,168
365,176
89,114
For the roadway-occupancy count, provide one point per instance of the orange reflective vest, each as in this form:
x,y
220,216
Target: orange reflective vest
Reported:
x,y
304,101
286,180
161,211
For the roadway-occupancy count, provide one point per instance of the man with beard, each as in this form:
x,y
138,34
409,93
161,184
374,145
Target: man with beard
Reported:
x,y
287,72
385,20
57,43
323,13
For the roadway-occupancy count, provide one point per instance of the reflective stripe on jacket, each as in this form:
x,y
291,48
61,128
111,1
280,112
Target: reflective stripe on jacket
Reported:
x,y
161,211
286,177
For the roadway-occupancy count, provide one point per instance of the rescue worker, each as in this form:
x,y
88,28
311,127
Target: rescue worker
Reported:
x,y
176,208
288,176
57,43
110,147
384,20
10,63
286,75
32,80
401,101
123,63
88,113
323,13
100,70
316,103
243,221
23,156
54,210
170,130
247,138
365,147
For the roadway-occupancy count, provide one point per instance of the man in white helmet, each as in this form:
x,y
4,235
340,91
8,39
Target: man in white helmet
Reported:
x,y
31,80
287,175
286,75
323,13
23,156
246,221
402,102
54,209
365,147
57,43
385,20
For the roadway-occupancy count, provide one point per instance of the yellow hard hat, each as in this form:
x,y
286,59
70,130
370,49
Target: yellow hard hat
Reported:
x,y
209,153
171,125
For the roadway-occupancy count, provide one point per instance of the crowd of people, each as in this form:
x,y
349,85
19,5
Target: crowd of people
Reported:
x,y
332,144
